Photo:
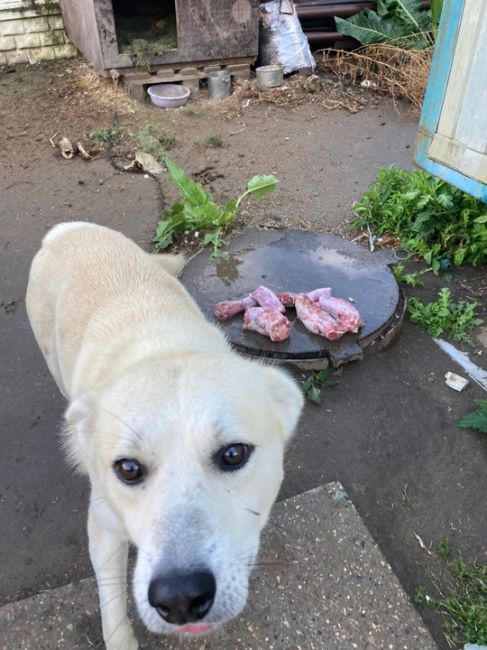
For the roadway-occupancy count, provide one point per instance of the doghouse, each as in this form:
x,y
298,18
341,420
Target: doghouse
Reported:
x,y
171,40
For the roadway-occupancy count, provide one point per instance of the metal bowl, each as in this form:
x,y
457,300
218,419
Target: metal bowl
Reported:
x,y
168,95
269,76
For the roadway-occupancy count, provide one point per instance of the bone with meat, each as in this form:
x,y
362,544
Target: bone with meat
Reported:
x,y
318,310
340,309
229,308
343,311
267,299
288,298
317,294
316,319
269,322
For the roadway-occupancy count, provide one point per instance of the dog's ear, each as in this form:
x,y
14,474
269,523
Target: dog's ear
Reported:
x,y
288,399
79,419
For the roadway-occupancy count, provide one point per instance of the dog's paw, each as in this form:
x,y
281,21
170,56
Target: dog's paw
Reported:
x,y
131,644
122,639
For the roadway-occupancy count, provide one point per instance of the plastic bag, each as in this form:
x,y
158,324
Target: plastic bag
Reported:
x,y
281,37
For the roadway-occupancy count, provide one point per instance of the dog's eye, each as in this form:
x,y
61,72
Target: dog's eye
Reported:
x,y
234,456
129,471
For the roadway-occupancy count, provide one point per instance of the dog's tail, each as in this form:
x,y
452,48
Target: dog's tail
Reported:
x,y
173,264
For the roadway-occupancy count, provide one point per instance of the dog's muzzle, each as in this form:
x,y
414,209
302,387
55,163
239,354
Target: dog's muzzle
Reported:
x,y
181,598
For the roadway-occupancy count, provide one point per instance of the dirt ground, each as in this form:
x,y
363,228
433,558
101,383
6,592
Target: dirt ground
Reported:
x,y
299,132
387,431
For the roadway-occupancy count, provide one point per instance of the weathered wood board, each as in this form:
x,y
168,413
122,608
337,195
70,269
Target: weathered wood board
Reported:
x,y
452,138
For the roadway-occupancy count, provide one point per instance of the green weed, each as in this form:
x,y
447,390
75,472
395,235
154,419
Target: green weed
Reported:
x,y
192,112
445,316
412,279
157,146
464,604
401,22
196,210
435,221
213,141
168,141
436,9
312,386
107,135
476,419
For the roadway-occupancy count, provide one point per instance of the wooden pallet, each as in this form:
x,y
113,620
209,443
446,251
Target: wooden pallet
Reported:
x,y
137,81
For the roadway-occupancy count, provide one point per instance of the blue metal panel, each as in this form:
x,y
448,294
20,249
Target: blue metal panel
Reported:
x,y
433,101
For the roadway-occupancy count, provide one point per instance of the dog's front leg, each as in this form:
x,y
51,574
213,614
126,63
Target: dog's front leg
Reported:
x,y
109,556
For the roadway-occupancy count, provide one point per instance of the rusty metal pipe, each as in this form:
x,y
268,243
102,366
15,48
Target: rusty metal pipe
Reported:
x,y
314,37
329,11
329,38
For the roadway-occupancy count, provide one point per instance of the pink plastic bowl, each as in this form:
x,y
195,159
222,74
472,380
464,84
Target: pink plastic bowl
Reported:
x,y
168,95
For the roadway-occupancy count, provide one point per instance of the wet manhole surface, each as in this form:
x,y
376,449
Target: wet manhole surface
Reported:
x,y
299,261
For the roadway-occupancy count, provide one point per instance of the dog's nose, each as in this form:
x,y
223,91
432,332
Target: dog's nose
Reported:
x,y
181,598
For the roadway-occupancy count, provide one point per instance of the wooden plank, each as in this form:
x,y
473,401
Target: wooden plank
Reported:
x,y
461,140
199,65
136,81
451,16
447,174
460,78
471,128
107,35
80,24
213,29
239,70
459,156
451,19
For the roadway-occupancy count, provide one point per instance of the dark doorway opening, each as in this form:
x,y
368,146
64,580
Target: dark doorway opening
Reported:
x,y
145,28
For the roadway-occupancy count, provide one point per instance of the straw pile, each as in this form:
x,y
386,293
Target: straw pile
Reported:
x,y
295,92
399,73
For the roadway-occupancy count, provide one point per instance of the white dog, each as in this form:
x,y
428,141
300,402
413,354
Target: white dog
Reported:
x,y
182,439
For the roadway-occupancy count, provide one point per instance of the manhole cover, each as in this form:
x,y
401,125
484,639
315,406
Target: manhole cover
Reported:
x,y
299,261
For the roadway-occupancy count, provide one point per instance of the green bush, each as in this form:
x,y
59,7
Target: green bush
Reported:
x,y
434,220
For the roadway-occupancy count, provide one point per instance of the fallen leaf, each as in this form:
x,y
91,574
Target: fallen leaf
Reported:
x,y
148,163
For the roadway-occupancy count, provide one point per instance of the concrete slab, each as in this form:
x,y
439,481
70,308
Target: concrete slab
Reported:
x,y
322,583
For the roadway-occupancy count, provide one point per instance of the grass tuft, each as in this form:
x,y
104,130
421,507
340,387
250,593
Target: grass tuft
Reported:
x,y
464,603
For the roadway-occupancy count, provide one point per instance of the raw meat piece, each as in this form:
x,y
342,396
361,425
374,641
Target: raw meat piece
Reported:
x,y
342,310
269,322
229,308
317,294
316,319
288,297
267,299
